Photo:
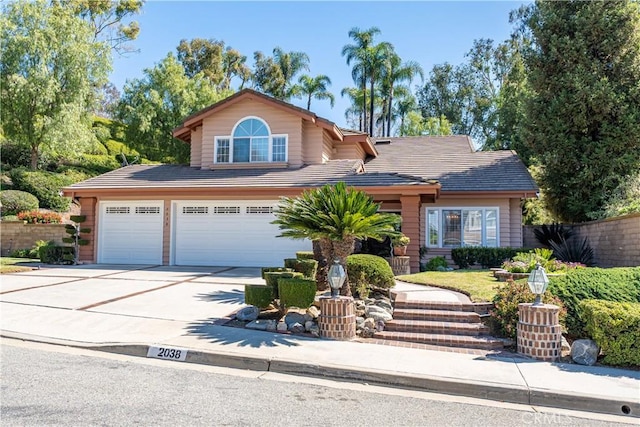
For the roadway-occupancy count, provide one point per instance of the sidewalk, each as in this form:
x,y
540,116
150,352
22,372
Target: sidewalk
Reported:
x,y
111,327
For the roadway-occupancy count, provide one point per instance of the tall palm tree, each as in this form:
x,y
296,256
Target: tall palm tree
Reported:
x,y
289,65
315,87
358,53
356,97
394,72
335,216
376,58
405,103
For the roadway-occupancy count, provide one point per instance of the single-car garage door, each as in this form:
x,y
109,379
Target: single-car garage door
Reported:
x,y
233,233
130,232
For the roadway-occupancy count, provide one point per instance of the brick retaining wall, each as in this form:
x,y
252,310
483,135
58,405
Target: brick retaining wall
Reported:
x,y
615,241
18,235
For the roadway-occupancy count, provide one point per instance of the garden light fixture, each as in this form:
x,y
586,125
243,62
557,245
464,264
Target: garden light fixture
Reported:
x,y
538,282
337,276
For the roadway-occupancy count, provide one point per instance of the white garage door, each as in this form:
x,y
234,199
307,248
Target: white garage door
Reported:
x,y
130,232
233,233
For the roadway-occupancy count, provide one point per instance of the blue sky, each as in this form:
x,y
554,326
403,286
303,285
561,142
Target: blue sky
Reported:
x,y
426,32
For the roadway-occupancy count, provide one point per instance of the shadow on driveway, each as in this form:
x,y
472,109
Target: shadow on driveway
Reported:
x,y
234,296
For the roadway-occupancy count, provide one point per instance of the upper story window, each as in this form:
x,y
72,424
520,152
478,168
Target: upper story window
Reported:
x,y
251,141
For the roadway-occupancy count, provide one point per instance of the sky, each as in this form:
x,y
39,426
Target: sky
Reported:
x,y
428,32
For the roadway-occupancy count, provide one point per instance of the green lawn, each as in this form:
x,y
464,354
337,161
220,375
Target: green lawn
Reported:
x,y
13,265
479,285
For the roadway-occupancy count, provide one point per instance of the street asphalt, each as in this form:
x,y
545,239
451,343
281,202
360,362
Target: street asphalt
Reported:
x,y
148,311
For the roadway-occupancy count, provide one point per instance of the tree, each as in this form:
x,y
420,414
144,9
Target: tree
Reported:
x,y
109,20
315,87
234,65
376,58
275,75
416,125
354,113
394,72
202,56
335,216
583,119
50,68
153,106
358,53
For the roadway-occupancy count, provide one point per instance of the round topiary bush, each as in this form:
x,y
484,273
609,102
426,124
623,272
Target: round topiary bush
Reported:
x,y
14,201
372,270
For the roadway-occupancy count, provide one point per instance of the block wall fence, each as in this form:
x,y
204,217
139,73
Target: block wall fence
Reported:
x,y
18,235
615,241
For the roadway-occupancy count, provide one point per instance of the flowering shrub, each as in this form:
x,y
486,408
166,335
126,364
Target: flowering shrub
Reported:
x,y
37,217
524,262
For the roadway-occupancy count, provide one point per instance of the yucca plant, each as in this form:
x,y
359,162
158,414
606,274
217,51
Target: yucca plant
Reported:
x,y
334,216
552,233
574,250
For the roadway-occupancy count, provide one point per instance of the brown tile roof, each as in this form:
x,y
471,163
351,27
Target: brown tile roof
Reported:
x,y
452,161
177,176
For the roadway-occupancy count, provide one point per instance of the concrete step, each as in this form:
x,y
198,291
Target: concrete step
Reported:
x,y
435,327
480,342
436,315
481,308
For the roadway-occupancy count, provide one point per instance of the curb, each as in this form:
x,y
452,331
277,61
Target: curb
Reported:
x,y
451,386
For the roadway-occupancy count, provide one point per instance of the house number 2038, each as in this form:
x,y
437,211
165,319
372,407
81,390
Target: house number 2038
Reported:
x,y
170,353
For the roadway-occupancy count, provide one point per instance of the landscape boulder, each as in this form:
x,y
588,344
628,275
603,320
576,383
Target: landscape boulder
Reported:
x,y
248,314
584,352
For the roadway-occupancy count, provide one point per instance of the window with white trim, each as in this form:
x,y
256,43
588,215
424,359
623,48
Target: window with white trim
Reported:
x,y
455,227
251,142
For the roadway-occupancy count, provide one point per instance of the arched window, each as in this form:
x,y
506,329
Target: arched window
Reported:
x,y
251,141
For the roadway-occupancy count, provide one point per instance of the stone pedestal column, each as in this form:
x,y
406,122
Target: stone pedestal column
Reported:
x,y
337,318
539,331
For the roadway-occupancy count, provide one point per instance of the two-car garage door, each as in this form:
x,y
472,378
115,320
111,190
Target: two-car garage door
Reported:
x,y
230,233
235,233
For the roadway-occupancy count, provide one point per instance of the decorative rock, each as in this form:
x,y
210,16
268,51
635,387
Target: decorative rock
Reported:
x,y
314,312
361,313
584,352
272,325
293,317
359,322
258,325
367,333
565,349
378,313
297,328
386,305
359,304
248,314
281,327
369,323
369,301
379,326
314,330
308,325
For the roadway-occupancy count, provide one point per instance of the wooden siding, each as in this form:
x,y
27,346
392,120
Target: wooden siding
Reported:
x,y
312,143
412,229
88,207
279,121
196,148
351,150
515,212
327,147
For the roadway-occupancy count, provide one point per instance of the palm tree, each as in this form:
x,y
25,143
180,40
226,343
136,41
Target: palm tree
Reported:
x,y
394,72
405,104
315,87
356,96
290,63
334,216
376,58
357,53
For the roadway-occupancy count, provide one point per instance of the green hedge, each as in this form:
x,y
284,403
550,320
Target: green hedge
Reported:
x,y
296,292
258,295
372,270
468,256
14,201
55,254
615,327
273,269
305,255
271,277
45,186
610,284
307,267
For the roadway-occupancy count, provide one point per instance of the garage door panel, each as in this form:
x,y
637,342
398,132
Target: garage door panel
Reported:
x,y
230,233
130,232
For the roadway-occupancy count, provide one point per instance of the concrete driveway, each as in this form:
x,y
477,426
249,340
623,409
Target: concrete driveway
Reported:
x,y
119,298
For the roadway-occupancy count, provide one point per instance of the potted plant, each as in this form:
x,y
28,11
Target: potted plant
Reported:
x,y
400,244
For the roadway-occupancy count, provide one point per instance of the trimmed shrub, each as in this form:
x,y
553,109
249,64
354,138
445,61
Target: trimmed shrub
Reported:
x,y
38,217
14,201
436,263
290,262
271,277
55,254
273,269
615,327
308,267
296,292
468,256
45,186
611,284
369,270
305,255
258,295
503,319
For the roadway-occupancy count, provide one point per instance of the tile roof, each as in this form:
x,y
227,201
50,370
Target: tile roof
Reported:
x,y
452,161
178,176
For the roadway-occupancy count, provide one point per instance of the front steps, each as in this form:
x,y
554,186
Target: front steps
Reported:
x,y
440,323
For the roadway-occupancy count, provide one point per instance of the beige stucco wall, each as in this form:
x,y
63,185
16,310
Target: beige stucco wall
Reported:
x,y
18,235
615,241
280,122
312,137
